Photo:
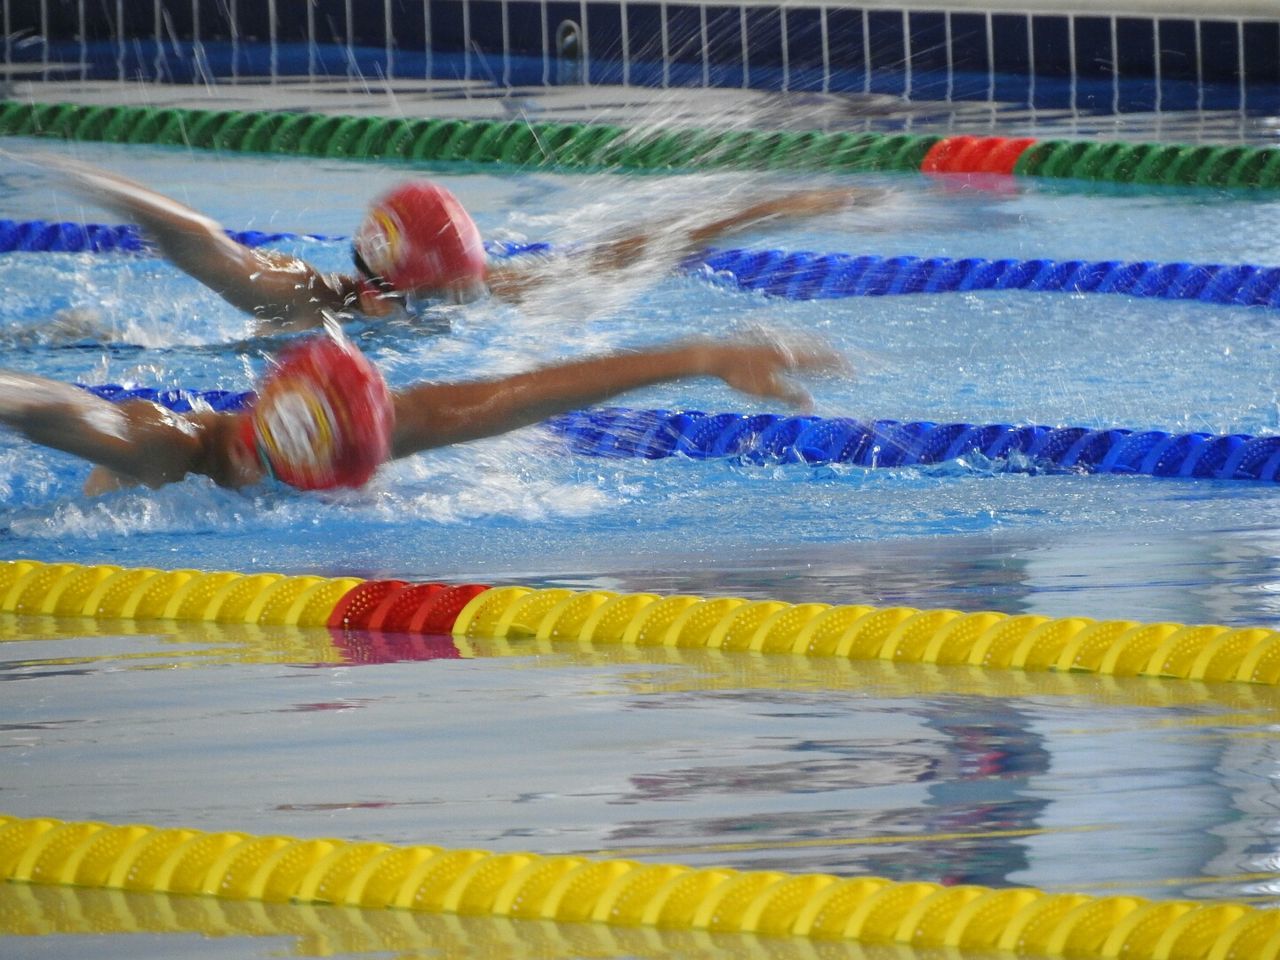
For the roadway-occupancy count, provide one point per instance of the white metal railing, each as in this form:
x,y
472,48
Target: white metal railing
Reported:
x,y
631,50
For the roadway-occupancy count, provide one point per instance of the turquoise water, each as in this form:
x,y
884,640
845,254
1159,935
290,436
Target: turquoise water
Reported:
x,y
517,507
750,761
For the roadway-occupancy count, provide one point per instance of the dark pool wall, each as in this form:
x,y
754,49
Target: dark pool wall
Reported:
x,y
1092,61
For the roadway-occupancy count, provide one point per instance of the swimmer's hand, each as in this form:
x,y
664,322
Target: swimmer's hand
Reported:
x,y
762,368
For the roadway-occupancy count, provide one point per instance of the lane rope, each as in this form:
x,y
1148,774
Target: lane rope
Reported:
x,y
236,865
800,275
828,276
988,639
175,399
61,236
780,438
606,146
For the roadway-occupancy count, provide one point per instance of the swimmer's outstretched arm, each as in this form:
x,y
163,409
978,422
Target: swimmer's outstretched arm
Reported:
x,y
680,241
434,415
140,442
272,286
799,205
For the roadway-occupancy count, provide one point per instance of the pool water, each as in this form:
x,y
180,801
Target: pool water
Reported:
x,y
749,761
517,507
754,761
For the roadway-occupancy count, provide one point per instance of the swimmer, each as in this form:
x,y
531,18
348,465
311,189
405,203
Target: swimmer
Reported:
x,y
324,417
416,242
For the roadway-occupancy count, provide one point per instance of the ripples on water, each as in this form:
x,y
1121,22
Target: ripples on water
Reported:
x,y
763,762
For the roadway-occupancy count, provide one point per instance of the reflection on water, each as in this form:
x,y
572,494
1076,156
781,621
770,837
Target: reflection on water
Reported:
x,y
983,785
701,757
1215,576
208,929
965,827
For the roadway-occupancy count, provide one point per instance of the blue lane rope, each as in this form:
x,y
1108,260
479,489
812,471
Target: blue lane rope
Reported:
x,y
817,276
775,438
42,236
808,276
760,438
180,401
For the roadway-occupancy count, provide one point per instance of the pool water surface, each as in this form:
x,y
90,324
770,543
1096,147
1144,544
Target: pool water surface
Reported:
x,y
748,760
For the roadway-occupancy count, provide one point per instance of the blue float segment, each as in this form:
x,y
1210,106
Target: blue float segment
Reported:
x,y
40,236
1256,459
833,440
803,275
814,276
771,438
505,248
179,401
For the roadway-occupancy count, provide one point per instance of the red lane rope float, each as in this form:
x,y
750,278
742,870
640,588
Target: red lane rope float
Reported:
x,y
421,617
965,154
418,594
422,613
396,611
439,612
397,606
353,610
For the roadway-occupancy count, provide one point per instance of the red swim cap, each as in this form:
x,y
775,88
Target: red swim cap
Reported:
x,y
418,238
323,418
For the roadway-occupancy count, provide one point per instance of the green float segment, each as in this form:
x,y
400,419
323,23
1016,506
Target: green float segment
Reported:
x,y
566,888
519,143
1028,642
604,146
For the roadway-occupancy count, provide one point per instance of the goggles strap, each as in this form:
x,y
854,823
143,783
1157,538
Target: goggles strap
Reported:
x,y
378,281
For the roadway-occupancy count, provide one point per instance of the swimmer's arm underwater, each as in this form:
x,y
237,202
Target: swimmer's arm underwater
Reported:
x,y
434,415
282,291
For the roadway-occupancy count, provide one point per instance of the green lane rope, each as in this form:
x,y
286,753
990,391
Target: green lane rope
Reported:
x,y
1153,164
238,866
604,146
